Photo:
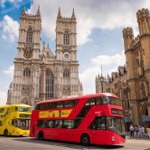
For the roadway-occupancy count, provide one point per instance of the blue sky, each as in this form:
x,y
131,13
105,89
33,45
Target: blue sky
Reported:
x,y
99,34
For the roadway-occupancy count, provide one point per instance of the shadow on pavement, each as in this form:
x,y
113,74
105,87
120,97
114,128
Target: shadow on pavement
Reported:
x,y
66,144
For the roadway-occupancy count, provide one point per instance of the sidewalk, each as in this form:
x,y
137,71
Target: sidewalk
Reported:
x,y
128,137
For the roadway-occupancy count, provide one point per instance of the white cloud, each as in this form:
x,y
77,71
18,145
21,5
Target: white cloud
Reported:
x,y
109,60
88,79
2,2
3,98
10,71
10,28
109,64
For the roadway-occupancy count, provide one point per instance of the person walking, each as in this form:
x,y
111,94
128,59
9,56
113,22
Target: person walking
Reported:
x,y
142,132
131,129
135,131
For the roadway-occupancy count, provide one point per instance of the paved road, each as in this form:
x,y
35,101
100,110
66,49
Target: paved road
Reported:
x,y
27,143
138,144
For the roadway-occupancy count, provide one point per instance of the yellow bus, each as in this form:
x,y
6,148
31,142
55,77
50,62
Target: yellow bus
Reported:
x,y
15,120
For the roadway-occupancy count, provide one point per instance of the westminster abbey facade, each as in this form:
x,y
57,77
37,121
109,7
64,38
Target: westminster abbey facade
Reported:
x,y
38,73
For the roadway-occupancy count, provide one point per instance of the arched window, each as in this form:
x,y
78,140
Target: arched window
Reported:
x,y
49,84
66,38
66,73
27,72
29,35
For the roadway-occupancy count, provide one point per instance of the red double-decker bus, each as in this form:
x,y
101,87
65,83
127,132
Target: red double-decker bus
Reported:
x,y
88,119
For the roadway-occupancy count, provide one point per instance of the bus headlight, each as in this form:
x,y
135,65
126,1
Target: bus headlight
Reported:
x,y
113,139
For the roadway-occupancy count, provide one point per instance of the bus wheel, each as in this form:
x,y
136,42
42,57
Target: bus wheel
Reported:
x,y
85,139
6,132
40,136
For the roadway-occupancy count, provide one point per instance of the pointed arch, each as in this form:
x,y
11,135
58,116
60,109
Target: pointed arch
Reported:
x,y
29,35
49,84
66,38
126,93
27,72
144,110
66,73
25,100
146,83
143,90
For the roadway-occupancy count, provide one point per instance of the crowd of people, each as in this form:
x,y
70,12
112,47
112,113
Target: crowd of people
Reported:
x,y
139,131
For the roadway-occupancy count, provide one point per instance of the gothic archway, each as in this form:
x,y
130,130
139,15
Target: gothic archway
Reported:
x,y
143,90
29,35
25,100
49,84
144,109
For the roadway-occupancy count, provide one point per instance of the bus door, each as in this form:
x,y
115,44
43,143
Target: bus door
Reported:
x,y
98,131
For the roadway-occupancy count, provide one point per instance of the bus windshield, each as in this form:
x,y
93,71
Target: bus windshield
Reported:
x,y
23,109
115,124
111,100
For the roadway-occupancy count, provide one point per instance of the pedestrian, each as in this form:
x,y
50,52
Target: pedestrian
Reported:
x,y
142,132
139,132
136,131
131,129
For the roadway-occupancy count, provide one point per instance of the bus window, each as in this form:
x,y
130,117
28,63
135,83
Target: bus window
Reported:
x,y
68,124
58,124
40,123
98,100
51,124
59,105
1,110
14,122
91,101
98,123
42,106
0,123
52,105
77,122
106,100
116,124
75,102
23,109
23,124
37,107
45,124
68,104
111,100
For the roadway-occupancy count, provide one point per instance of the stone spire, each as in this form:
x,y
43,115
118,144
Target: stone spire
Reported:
x,y
38,11
73,15
23,10
59,14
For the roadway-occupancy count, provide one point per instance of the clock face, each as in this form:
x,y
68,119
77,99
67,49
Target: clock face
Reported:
x,y
28,52
66,56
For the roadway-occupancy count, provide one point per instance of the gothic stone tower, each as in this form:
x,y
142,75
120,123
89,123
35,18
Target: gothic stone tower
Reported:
x,y
137,53
67,82
39,74
25,85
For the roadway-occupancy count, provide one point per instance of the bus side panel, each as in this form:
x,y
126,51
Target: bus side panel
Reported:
x,y
69,135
